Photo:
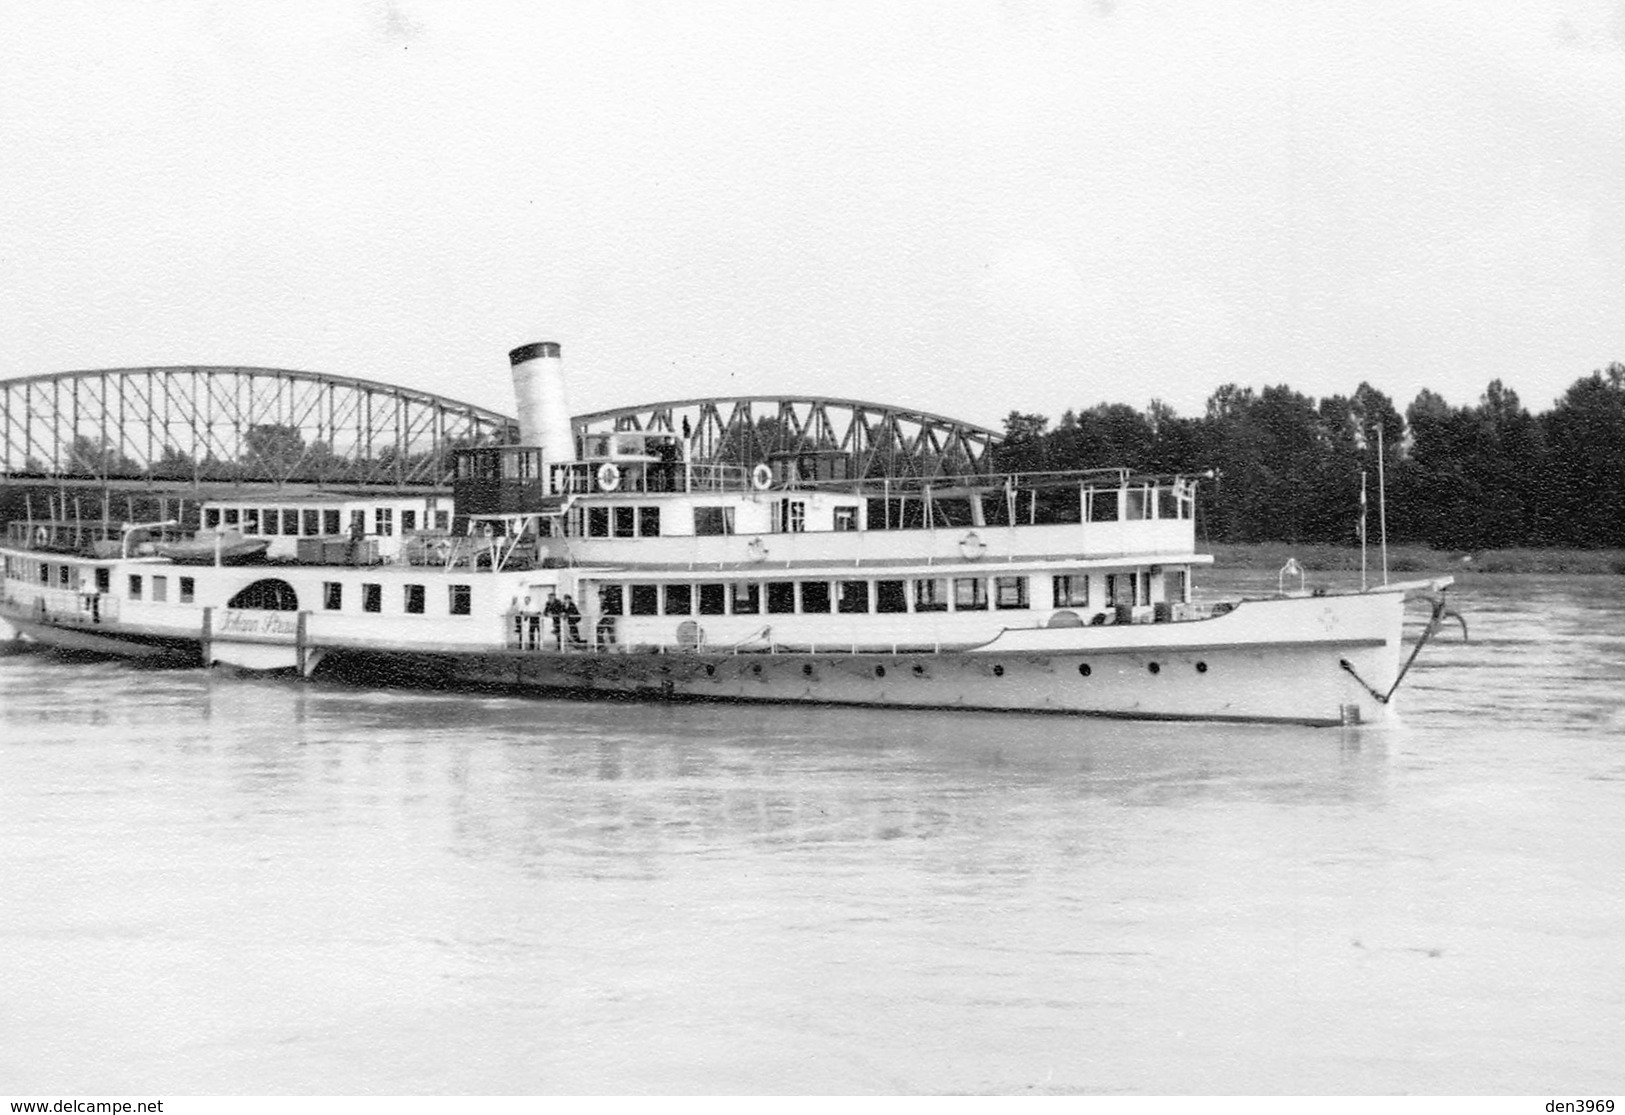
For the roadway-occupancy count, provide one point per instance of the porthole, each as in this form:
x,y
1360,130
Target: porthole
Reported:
x,y
806,670
919,671
1083,669
1201,667
998,671
1154,667
710,671
880,671
756,668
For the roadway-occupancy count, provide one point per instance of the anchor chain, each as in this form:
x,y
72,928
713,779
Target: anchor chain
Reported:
x,y
1435,621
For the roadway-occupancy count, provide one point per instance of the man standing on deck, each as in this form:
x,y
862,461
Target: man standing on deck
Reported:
x,y
555,611
572,616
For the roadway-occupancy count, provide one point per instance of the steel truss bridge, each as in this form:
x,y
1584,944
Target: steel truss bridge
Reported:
x,y
199,427
871,441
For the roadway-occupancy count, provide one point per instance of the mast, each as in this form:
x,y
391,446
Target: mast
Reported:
x,y
1382,504
1362,531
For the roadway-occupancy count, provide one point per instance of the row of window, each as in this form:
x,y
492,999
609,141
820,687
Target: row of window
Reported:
x,y
1139,503
63,576
790,515
272,521
637,521
160,588
919,594
618,522
459,598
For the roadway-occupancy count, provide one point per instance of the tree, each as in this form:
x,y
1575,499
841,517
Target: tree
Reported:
x,y
273,449
1024,448
173,464
1585,432
97,457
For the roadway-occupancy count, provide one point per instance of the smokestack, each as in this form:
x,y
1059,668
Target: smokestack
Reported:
x,y
538,388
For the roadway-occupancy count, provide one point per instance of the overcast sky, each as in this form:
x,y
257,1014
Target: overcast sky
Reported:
x,y
967,208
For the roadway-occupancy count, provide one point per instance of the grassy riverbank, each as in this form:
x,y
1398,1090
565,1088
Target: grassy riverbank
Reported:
x,y
1416,560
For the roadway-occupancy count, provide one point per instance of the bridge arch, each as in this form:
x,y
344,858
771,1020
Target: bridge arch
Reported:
x,y
201,424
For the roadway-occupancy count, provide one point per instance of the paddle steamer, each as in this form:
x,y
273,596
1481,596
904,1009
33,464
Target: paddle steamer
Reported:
x,y
581,562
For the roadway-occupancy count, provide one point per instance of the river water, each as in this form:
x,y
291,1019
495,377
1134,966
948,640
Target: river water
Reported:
x,y
217,884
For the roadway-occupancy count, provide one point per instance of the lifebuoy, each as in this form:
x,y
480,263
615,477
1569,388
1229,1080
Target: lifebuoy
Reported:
x,y
972,547
757,550
442,548
609,477
761,478
41,536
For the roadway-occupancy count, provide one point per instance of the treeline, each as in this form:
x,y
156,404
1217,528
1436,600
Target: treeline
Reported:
x,y
1287,468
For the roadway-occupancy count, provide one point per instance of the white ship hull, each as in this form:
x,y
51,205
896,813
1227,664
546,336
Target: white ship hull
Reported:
x,y
1220,669
1306,659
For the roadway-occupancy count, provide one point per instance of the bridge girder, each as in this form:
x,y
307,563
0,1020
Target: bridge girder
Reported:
x,y
204,425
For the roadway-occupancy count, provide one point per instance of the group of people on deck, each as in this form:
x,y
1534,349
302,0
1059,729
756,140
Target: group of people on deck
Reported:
x,y
528,622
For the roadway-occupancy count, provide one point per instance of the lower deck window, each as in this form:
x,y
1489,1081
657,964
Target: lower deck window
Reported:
x,y
931,595
610,600
135,587
815,596
781,596
1010,592
332,595
1177,586
747,598
854,597
1072,590
713,600
1128,589
160,589
460,600
970,594
372,598
890,597
679,600
414,600
645,600
188,590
